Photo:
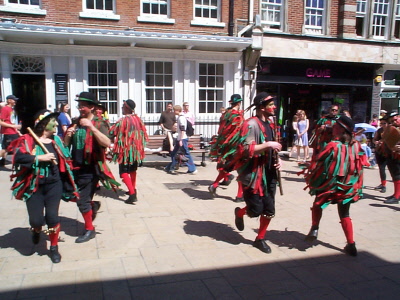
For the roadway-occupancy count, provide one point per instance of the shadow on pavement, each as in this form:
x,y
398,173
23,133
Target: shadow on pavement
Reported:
x,y
391,206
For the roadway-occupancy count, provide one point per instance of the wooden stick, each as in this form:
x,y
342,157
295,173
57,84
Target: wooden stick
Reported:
x,y
36,138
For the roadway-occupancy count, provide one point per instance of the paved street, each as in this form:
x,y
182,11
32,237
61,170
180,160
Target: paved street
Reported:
x,y
179,243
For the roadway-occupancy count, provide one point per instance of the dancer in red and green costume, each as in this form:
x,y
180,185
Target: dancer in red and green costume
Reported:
x,y
88,139
42,179
130,138
323,130
257,163
335,176
224,146
391,137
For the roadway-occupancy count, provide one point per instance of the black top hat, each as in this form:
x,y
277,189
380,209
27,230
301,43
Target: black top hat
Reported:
x,y
87,97
130,103
12,97
262,98
235,98
346,123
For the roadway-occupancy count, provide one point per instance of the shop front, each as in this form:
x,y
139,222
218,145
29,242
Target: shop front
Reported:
x,y
313,86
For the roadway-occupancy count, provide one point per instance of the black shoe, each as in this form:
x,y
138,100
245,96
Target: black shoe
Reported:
x,y
312,235
228,182
2,162
89,234
239,199
383,189
54,254
95,208
35,237
132,199
213,190
351,249
238,220
379,187
388,197
262,246
391,200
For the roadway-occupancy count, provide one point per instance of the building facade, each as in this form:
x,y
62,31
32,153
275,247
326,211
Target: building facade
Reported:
x,y
319,52
151,51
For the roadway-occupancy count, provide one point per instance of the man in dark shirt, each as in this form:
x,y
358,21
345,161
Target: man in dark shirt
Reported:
x,y
167,119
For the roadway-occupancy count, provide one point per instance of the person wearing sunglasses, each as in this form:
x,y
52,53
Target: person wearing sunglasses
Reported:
x,y
323,130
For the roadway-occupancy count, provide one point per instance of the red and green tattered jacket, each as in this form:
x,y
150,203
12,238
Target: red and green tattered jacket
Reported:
x,y
252,168
224,145
27,174
86,151
323,133
336,175
130,139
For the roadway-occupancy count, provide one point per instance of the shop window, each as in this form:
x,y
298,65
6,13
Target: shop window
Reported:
x,y
315,17
211,87
158,86
103,82
271,12
99,9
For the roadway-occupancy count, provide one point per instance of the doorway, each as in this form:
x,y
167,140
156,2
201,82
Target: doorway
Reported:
x,y
31,91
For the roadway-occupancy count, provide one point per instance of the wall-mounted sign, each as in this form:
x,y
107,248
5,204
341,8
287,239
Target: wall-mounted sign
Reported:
x,y
389,95
318,73
392,82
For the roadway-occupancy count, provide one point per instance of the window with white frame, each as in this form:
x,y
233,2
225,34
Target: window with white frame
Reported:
x,y
314,21
157,11
103,82
23,6
211,87
362,18
99,9
208,9
272,14
158,86
397,20
24,2
380,16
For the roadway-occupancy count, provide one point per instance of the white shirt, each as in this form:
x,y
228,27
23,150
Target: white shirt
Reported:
x,y
182,127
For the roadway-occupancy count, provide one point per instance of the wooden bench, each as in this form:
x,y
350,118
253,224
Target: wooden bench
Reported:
x,y
155,143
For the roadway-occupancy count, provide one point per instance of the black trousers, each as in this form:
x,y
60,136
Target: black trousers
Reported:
x,y
382,163
87,184
43,205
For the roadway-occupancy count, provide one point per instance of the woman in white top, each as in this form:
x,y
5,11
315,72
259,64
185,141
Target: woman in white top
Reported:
x,y
302,135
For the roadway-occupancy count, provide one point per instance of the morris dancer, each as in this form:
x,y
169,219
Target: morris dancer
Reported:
x,y
130,141
89,139
257,167
43,178
335,176
225,144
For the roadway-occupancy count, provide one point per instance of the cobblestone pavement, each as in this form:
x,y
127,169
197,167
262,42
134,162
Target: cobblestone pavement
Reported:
x,y
178,242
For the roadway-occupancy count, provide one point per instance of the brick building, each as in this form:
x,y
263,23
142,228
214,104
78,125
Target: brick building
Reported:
x,y
151,51
316,52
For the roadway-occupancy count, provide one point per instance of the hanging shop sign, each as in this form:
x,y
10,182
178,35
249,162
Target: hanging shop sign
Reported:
x,y
389,95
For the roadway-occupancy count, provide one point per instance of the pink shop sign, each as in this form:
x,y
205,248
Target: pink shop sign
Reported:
x,y
318,73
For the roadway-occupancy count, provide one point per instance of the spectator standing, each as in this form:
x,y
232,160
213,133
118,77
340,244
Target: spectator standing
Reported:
x,y
375,121
188,114
257,164
9,129
336,177
182,141
302,135
64,120
380,155
130,137
167,118
88,140
42,178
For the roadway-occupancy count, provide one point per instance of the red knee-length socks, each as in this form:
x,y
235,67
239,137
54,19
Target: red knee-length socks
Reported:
x,y
128,182
133,181
264,222
383,182
397,189
221,175
87,216
54,235
347,226
240,190
316,215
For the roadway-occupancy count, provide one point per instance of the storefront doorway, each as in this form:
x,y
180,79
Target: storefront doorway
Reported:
x,y
31,91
